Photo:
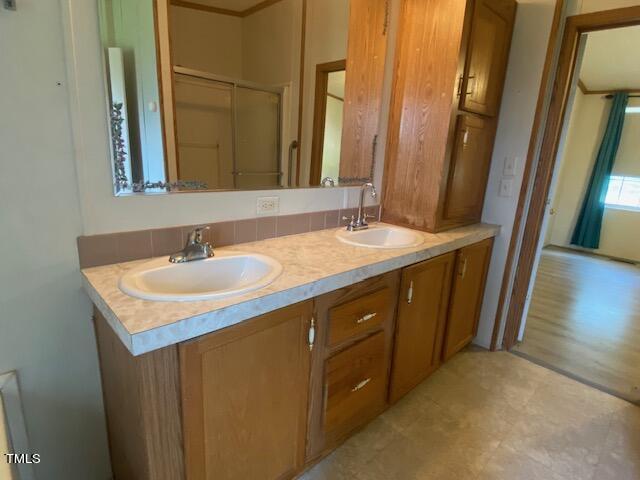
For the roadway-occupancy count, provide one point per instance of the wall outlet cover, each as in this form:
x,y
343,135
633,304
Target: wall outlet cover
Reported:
x,y
268,205
510,166
506,187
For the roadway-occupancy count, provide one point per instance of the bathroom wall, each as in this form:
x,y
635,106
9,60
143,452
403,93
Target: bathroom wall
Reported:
x,y
196,37
524,73
45,321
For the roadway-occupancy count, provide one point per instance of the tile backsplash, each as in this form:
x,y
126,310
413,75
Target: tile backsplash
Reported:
x,y
96,250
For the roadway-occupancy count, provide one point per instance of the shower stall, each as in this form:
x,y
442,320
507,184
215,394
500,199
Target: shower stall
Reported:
x,y
229,132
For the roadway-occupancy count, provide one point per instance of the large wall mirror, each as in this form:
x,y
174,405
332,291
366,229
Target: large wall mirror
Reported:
x,y
243,94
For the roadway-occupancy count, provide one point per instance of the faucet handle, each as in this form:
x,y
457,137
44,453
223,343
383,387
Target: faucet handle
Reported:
x,y
195,236
352,218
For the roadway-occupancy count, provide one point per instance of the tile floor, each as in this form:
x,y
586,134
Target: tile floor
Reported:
x,y
494,416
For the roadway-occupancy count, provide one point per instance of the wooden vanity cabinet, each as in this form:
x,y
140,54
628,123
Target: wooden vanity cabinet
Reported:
x,y
266,398
450,65
244,398
351,361
472,265
421,320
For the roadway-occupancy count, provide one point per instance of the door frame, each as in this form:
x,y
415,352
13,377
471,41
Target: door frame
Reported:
x,y
537,178
319,116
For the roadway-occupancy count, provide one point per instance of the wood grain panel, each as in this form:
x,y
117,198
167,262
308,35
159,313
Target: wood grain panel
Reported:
x,y
319,443
359,316
472,265
469,169
245,392
487,56
142,403
424,94
366,55
355,386
420,323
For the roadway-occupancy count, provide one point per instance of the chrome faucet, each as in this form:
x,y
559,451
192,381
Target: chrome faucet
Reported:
x,y
360,223
195,249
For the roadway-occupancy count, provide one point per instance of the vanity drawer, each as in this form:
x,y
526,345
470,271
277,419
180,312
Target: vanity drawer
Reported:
x,y
355,386
361,315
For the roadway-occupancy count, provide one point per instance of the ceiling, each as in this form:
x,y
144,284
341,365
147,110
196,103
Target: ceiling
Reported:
x,y
235,5
612,60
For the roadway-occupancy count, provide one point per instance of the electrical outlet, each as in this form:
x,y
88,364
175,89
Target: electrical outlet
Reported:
x,y
10,4
506,187
268,205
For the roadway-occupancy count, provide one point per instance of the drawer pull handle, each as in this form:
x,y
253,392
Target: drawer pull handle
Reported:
x,y
366,317
361,385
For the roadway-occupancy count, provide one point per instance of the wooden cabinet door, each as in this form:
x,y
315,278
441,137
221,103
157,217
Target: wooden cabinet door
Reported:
x,y
472,265
422,313
488,54
366,57
468,170
244,398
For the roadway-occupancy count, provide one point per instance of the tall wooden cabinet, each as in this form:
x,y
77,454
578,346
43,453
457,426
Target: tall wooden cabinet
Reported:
x,y
451,58
244,398
472,265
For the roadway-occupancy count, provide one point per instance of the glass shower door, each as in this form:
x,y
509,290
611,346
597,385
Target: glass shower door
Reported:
x,y
257,121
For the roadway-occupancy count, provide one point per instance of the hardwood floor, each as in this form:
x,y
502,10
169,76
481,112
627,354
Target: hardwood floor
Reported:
x,y
585,320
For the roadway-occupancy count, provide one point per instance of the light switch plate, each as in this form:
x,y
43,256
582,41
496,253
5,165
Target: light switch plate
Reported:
x,y
506,187
510,166
268,205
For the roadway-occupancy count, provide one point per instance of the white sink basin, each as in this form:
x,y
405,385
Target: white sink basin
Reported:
x,y
225,275
382,236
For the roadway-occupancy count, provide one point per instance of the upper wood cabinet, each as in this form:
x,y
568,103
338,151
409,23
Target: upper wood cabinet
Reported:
x,y
244,398
422,316
450,60
366,55
468,169
472,265
487,56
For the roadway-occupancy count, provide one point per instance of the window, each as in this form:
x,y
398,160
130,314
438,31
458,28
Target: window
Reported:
x,y
624,192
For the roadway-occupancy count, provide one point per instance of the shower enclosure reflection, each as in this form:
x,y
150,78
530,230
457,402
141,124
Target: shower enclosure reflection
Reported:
x,y
221,94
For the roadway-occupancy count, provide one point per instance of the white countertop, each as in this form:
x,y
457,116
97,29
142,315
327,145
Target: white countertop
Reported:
x,y
314,263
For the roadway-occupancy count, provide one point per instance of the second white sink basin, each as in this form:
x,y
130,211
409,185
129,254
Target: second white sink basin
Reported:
x,y
381,236
227,274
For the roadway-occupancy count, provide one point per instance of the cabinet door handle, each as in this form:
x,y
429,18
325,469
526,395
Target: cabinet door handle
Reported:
x,y
361,385
312,334
471,77
465,138
463,268
367,317
410,293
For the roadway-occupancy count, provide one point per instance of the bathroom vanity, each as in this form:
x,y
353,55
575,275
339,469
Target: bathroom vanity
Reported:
x,y
264,384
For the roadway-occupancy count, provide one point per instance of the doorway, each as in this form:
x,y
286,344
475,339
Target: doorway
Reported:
x,y
574,303
327,122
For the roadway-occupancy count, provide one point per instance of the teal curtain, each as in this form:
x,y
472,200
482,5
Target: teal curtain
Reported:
x,y
587,231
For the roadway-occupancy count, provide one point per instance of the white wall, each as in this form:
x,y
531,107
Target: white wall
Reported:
x,y
620,228
45,320
524,73
204,41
